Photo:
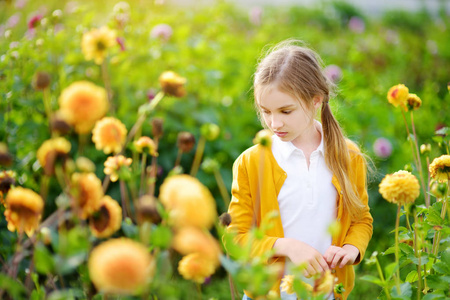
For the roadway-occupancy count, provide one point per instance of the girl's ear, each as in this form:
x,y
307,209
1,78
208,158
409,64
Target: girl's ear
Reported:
x,y
317,100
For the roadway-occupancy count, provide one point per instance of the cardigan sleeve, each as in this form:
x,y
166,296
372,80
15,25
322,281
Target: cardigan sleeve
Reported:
x,y
242,211
360,231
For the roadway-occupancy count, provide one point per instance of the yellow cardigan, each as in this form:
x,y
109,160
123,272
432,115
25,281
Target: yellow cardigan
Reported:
x,y
245,190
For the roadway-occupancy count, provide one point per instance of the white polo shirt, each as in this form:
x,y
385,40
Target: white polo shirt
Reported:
x,y
307,199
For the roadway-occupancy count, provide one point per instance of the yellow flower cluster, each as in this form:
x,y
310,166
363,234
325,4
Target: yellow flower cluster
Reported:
x,y
413,102
109,135
51,151
323,285
95,43
23,210
194,240
120,266
82,104
107,219
397,95
182,196
195,267
87,194
440,168
113,165
400,188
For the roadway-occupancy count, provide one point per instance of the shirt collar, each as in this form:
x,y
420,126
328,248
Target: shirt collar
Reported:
x,y
287,148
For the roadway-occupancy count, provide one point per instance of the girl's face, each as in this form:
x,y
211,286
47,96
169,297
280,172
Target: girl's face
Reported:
x,y
285,116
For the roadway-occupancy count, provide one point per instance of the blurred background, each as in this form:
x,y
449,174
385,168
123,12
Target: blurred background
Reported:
x,y
367,47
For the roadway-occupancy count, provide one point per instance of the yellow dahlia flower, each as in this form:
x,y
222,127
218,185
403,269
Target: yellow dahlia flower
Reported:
x,y
172,84
82,104
413,102
194,240
23,210
397,95
400,188
95,43
196,267
440,168
109,135
182,196
87,194
51,151
264,138
107,220
287,284
120,266
144,142
324,285
113,165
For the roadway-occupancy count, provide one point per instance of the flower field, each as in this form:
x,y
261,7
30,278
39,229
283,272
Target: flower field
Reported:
x,y
120,122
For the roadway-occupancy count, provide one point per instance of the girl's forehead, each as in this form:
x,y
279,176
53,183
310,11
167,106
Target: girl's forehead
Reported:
x,y
273,97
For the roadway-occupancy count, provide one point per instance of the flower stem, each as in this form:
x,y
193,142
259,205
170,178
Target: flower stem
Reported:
x,y
125,201
222,188
419,166
153,171
47,106
418,255
380,272
397,278
107,83
178,160
198,156
143,168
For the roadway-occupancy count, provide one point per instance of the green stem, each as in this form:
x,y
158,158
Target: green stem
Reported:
x,y
418,255
419,166
397,278
409,139
199,291
107,83
222,188
380,273
198,156
143,168
178,160
47,106
126,211
153,171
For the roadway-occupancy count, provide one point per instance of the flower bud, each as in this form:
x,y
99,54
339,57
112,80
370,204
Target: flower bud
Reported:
x,y
147,210
85,165
46,235
6,158
225,219
264,138
157,127
172,84
210,131
59,125
41,80
438,189
413,102
408,168
185,141
7,179
425,149
210,165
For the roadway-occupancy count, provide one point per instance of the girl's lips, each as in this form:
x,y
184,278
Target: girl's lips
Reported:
x,y
280,134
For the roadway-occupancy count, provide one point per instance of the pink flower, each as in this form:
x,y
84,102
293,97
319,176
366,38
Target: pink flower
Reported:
x,y
13,20
356,24
121,41
162,31
333,72
21,3
255,15
34,21
382,147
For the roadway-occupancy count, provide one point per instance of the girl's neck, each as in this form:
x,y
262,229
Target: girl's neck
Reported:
x,y
309,140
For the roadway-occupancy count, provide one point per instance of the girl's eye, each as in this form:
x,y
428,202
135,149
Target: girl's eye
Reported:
x,y
265,112
286,112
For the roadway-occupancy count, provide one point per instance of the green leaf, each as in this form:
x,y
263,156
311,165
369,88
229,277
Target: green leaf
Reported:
x,y
443,131
439,295
445,257
373,279
230,265
66,265
442,268
406,248
412,276
390,250
130,230
37,295
12,287
70,294
390,269
43,260
405,291
161,237
438,282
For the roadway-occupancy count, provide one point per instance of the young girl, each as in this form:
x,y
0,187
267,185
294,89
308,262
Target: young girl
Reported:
x,y
313,176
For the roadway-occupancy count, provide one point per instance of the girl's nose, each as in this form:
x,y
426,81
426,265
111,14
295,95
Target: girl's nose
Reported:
x,y
276,122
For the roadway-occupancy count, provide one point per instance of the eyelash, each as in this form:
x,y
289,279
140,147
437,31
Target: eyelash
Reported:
x,y
286,112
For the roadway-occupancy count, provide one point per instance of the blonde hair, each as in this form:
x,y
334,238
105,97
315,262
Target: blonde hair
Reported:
x,y
297,70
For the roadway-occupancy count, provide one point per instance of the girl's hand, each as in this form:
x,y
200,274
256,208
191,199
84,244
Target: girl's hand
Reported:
x,y
299,252
343,256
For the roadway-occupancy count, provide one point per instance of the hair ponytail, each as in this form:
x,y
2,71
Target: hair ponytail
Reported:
x,y
337,158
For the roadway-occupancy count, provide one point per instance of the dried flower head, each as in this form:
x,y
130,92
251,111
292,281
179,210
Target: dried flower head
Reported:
x,y
189,240
113,164
400,188
172,84
147,210
96,43
87,194
264,138
23,210
413,102
157,127
82,104
440,168
59,125
7,180
5,157
225,219
120,266
185,141
182,196
397,95
51,152
41,80
109,135
196,267
107,219
146,143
